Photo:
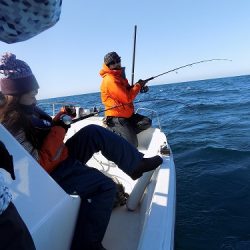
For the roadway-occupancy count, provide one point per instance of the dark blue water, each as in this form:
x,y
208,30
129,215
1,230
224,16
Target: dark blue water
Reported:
x,y
208,127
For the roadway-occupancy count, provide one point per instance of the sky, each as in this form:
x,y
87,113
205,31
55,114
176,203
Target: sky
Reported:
x,y
66,59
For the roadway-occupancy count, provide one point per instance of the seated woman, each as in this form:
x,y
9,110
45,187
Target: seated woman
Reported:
x,y
117,97
43,138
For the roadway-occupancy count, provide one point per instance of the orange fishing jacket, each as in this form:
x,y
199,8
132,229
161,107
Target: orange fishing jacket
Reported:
x,y
116,91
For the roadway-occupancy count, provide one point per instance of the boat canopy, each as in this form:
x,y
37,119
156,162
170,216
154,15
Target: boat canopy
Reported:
x,y
21,20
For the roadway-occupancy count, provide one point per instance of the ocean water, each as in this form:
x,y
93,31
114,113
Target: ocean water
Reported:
x,y
208,127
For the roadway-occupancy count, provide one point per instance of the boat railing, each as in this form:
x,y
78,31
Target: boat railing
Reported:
x,y
48,106
54,107
151,114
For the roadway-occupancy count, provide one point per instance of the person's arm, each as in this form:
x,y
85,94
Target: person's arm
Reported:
x,y
6,163
6,160
53,150
121,93
5,195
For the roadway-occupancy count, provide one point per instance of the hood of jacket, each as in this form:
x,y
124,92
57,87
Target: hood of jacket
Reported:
x,y
106,70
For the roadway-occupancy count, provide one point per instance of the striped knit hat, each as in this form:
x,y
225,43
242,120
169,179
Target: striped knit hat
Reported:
x,y
17,76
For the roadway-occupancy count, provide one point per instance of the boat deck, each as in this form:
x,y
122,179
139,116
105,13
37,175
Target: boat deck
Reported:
x,y
127,225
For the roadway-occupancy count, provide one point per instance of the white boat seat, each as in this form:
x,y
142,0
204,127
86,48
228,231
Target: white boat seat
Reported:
x,y
43,205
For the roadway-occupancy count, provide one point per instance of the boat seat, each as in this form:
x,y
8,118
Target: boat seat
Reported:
x,y
43,205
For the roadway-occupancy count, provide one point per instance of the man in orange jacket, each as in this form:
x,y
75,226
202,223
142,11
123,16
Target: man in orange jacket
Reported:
x,y
118,96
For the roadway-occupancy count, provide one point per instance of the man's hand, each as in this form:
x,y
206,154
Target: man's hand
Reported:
x,y
6,160
142,82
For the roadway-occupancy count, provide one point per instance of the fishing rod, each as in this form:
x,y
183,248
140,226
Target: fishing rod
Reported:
x,y
184,66
120,105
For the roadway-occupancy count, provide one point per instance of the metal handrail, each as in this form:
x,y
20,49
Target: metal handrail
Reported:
x,y
56,103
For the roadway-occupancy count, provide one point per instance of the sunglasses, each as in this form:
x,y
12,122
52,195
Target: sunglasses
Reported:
x,y
115,62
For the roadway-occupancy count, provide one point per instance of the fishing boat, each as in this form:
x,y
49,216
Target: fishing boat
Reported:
x,y
146,222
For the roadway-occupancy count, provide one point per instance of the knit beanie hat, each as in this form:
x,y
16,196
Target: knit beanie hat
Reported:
x,y
17,76
111,57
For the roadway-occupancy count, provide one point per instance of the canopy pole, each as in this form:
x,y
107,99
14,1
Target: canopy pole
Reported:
x,y
133,61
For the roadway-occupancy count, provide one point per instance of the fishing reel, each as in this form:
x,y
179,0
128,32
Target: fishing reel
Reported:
x,y
144,89
63,119
66,119
66,114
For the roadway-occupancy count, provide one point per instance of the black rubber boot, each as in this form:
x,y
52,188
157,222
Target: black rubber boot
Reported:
x,y
146,165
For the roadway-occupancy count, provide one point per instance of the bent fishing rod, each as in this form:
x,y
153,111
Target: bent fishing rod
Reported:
x,y
120,105
184,66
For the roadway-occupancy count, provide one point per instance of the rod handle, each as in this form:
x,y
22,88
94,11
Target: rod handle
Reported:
x,y
149,79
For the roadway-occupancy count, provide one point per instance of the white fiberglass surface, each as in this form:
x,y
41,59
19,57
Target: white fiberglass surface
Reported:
x,y
42,204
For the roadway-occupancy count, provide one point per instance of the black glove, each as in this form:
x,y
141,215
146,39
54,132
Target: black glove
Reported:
x,y
6,160
64,121
144,89
142,82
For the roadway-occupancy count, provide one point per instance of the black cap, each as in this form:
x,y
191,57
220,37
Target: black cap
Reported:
x,y
111,58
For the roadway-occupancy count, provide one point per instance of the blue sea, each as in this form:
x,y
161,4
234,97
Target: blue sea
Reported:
x,y
208,128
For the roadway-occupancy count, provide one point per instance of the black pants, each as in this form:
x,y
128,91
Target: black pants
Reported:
x,y
14,234
128,128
